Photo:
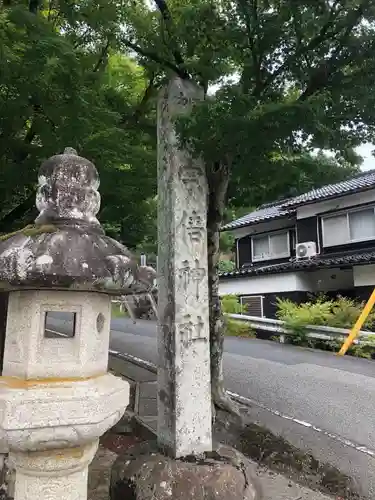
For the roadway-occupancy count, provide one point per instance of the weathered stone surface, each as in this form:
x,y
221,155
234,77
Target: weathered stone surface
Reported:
x,y
144,474
53,476
99,474
184,392
56,398
67,247
60,415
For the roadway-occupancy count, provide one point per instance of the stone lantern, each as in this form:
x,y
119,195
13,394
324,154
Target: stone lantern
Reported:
x,y
56,397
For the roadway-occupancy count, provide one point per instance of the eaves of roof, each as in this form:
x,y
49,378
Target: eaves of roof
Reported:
x,y
318,262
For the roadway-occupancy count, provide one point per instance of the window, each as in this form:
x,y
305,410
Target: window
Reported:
x,y
67,323
349,227
252,305
270,246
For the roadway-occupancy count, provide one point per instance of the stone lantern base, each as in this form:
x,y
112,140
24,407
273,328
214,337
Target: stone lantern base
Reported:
x,y
52,429
143,473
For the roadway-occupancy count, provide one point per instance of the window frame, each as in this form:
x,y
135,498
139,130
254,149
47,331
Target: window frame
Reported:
x,y
269,235
261,297
347,214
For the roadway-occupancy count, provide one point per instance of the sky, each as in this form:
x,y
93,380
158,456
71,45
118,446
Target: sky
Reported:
x,y
368,159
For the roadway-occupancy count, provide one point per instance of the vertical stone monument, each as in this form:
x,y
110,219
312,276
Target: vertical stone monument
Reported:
x,y
182,464
183,315
56,397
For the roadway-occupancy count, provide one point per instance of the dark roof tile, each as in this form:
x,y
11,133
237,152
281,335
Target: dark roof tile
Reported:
x,y
263,213
361,182
327,261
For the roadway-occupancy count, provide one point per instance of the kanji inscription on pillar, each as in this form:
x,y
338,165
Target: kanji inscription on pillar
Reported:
x,y
184,405
190,176
192,329
191,275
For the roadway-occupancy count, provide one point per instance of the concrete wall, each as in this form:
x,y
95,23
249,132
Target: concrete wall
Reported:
x,y
324,280
364,275
274,283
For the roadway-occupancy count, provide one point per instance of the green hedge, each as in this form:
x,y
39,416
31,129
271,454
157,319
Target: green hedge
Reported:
x,y
230,304
337,313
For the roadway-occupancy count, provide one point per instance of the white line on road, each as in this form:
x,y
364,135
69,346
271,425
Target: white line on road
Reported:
x,y
346,442
60,334
248,402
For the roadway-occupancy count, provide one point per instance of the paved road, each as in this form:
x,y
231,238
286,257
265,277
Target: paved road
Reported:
x,y
308,388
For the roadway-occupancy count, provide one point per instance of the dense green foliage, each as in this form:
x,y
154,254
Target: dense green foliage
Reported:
x,y
226,266
341,312
289,77
64,83
230,304
237,328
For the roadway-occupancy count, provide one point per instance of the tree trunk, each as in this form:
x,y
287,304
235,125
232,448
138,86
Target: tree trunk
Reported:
x,y
218,179
24,212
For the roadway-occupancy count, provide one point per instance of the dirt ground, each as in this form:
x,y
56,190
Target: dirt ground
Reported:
x,y
274,486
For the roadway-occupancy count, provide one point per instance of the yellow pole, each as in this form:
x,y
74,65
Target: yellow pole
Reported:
x,y
358,325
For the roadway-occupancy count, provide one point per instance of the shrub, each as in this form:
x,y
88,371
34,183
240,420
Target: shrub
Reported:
x,y
345,313
365,349
230,304
226,266
237,328
341,312
298,316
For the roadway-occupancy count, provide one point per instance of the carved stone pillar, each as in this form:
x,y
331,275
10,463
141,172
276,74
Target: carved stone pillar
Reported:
x,y
182,464
184,403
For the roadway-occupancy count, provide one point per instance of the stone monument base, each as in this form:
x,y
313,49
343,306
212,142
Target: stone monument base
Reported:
x,y
143,473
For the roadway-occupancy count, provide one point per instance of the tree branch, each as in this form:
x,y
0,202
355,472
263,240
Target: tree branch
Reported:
x,y
103,56
303,50
34,6
168,22
322,75
250,35
17,213
134,118
297,23
156,58
146,98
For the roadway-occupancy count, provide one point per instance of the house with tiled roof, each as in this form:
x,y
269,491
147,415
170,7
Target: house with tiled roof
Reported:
x,y
322,241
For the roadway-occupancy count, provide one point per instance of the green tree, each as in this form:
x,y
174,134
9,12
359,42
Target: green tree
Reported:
x,y
294,76
63,82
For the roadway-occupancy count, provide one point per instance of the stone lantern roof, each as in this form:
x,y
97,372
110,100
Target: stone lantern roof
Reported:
x,y
67,248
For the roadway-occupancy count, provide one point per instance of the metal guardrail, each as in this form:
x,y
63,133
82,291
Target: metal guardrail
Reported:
x,y
277,327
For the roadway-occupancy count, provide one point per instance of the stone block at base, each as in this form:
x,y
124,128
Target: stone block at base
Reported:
x,y
143,473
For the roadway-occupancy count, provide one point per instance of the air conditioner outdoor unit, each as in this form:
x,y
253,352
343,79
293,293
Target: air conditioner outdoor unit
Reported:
x,y
306,250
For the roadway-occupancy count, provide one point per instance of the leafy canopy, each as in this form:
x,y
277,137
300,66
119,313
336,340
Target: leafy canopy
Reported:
x,y
65,83
292,76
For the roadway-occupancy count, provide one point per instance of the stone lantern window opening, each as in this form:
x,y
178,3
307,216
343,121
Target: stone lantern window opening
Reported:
x,y
69,320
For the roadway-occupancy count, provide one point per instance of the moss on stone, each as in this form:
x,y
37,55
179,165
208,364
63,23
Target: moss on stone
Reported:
x,y
31,230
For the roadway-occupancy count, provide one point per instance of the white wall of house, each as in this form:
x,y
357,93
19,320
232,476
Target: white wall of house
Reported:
x,y
348,201
364,275
322,280
325,280
256,285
